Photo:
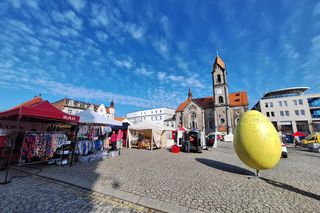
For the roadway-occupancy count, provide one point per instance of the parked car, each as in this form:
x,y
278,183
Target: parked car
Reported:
x,y
284,151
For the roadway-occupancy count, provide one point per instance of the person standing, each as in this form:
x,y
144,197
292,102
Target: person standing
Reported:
x,y
119,140
113,140
140,140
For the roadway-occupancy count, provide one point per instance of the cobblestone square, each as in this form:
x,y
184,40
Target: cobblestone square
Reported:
x,y
212,181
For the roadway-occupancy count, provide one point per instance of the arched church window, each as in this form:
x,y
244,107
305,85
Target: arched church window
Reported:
x,y
220,99
219,78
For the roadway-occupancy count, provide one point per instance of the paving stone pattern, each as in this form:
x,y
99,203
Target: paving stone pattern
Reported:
x,y
34,194
212,181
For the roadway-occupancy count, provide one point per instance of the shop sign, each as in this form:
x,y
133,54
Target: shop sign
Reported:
x,y
69,117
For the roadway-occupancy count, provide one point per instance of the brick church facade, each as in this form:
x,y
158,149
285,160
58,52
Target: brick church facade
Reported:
x,y
219,112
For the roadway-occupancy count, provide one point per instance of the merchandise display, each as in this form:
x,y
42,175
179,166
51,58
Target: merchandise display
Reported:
x,y
42,145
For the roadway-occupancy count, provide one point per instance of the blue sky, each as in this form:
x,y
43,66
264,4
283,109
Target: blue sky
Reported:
x,y
146,54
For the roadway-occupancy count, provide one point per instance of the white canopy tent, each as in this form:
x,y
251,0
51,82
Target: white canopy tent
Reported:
x,y
90,116
154,131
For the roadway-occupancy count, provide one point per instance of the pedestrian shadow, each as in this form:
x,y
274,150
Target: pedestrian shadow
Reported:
x,y
291,188
224,166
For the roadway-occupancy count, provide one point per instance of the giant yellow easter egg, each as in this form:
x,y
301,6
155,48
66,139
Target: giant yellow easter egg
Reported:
x,y
256,141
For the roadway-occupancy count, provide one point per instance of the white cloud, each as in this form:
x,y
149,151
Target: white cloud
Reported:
x,y
143,71
182,64
162,76
104,15
19,26
31,3
71,91
102,36
162,47
66,31
165,24
68,17
316,10
126,63
135,31
15,3
78,4
289,51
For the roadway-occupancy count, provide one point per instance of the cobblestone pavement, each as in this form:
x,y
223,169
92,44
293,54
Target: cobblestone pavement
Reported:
x,y
212,181
34,194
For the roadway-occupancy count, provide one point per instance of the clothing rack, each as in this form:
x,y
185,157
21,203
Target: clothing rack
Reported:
x,y
40,161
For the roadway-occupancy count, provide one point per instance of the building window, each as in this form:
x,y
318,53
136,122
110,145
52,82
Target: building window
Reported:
x,y
156,112
295,102
302,112
219,78
297,112
160,117
271,104
280,103
159,111
238,94
268,114
285,103
220,99
266,104
272,114
151,112
300,102
69,111
287,113
281,113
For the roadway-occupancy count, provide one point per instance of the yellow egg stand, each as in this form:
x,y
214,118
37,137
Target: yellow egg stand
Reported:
x,y
256,141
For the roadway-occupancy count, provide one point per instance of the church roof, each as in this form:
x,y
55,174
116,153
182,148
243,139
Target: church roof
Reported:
x,y
235,99
183,105
220,62
205,103
238,99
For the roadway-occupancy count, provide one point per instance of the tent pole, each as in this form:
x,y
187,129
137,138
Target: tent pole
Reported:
x,y
151,141
74,144
13,144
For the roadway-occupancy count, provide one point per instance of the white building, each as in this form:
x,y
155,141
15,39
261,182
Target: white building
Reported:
x,y
157,115
72,106
291,110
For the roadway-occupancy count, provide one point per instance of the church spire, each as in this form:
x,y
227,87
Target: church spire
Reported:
x,y
189,94
112,104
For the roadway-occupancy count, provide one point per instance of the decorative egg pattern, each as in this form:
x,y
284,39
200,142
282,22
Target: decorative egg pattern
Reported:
x,y
256,141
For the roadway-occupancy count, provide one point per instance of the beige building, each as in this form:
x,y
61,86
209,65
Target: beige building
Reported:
x,y
291,110
219,112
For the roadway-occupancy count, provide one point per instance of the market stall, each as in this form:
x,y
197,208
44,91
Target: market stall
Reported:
x,y
154,135
32,135
94,129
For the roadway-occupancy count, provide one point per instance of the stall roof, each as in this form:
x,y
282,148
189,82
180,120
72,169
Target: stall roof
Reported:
x,y
39,108
90,116
150,125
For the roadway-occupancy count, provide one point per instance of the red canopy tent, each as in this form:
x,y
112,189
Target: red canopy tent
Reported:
x,y
39,109
35,108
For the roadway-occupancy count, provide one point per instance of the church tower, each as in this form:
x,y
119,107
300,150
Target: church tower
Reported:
x,y
221,109
111,108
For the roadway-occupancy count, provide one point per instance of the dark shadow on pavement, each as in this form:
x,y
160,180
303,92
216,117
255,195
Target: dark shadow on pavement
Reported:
x,y
224,166
291,188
